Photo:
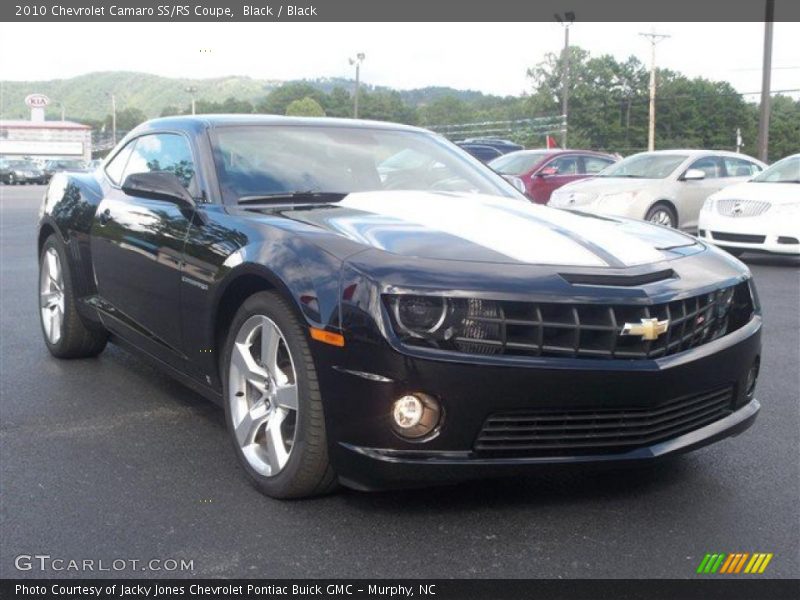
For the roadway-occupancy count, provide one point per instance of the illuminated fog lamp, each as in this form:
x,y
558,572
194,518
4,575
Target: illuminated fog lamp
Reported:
x,y
415,415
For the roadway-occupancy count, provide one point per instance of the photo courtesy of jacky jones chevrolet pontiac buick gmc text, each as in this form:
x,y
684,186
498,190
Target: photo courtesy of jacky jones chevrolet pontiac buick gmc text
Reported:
x,y
374,307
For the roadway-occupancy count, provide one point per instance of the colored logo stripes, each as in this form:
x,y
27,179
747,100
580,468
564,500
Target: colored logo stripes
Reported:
x,y
735,563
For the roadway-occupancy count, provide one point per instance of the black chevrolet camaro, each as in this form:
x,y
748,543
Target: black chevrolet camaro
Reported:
x,y
374,307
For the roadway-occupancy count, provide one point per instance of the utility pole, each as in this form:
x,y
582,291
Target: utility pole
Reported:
x,y
191,91
738,140
567,20
113,118
357,62
766,70
651,133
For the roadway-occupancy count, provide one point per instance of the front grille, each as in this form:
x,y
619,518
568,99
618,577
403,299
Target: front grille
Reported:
x,y
600,431
738,237
593,331
742,208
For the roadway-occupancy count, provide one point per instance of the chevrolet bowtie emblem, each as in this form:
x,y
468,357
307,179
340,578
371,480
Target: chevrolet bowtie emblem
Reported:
x,y
648,329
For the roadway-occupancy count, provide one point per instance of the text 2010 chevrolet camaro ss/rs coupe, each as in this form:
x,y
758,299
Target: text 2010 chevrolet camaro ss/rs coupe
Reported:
x,y
374,307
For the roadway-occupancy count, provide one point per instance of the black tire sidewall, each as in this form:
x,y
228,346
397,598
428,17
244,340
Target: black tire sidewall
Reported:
x,y
275,308
661,206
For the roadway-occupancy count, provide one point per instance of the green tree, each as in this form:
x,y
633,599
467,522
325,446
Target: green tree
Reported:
x,y
127,119
305,107
277,101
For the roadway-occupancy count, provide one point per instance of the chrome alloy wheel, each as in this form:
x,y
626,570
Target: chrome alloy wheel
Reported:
x,y
262,395
51,295
661,216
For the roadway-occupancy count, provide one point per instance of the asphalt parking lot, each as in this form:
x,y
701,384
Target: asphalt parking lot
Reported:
x,y
109,459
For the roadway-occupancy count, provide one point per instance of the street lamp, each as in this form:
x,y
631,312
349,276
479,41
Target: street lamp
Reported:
x,y
61,106
357,62
191,91
566,20
113,118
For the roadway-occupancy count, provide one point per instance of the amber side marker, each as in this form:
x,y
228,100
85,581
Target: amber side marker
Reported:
x,y
327,337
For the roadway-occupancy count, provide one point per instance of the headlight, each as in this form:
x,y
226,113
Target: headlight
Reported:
x,y
420,315
516,182
461,324
708,205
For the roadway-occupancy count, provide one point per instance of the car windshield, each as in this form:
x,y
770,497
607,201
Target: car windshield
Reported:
x,y
269,160
784,171
645,166
65,164
517,163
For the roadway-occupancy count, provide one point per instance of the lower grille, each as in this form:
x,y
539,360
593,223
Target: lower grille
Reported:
x,y
601,431
738,237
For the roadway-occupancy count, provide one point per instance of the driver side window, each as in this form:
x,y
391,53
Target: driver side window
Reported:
x,y
709,165
565,165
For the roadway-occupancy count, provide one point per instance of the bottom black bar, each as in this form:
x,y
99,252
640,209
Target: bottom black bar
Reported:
x,y
438,589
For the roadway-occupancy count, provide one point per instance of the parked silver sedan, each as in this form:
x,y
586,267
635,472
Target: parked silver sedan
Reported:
x,y
667,187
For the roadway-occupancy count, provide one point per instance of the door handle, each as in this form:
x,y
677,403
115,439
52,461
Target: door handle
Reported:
x,y
105,216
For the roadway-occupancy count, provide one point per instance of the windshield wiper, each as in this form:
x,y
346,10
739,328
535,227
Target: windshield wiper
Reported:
x,y
307,196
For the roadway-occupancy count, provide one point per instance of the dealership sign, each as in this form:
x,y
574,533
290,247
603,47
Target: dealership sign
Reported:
x,y
37,100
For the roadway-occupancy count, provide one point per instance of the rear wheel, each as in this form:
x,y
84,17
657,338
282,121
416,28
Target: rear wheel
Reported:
x,y
273,406
65,333
662,214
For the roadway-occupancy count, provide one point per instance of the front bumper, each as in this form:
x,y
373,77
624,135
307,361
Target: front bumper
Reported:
x,y
367,454
777,233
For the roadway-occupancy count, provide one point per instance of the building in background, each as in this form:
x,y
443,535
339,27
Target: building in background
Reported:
x,y
39,139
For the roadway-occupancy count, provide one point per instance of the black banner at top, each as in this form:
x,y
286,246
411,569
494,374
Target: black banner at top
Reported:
x,y
395,10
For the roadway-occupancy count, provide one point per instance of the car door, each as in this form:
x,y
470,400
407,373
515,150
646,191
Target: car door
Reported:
x,y
555,173
692,193
137,245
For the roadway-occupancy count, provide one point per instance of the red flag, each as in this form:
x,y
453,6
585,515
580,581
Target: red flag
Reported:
x,y
551,143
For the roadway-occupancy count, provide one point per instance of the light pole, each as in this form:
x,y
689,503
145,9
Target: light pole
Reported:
x,y
651,132
113,118
63,114
191,91
357,62
763,117
567,20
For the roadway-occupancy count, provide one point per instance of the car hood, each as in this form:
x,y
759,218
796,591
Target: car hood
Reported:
x,y
585,191
478,228
775,193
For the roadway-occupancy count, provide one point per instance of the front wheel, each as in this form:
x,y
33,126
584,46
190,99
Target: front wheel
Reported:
x,y
661,214
273,406
65,334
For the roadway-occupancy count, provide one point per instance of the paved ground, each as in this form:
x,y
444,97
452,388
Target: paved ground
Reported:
x,y
108,458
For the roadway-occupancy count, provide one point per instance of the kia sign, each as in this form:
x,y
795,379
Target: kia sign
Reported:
x,y
37,100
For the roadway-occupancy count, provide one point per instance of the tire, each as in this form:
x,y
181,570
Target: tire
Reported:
x,y
283,450
662,214
65,333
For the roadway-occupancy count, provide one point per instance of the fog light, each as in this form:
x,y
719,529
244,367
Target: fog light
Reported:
x,y
415,415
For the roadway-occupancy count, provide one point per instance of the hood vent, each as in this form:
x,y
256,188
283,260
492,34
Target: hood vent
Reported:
x,y
618,280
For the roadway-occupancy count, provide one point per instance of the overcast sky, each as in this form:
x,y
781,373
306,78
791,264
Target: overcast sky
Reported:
x,y
491,57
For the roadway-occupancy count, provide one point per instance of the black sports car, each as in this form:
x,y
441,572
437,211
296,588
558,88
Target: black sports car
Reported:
x,y
373,306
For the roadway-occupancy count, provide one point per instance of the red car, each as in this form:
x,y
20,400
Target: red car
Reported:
x,y
542,171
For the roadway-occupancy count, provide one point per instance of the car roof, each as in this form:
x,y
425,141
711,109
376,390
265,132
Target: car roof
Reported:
x,y
557,151
694,152
199,122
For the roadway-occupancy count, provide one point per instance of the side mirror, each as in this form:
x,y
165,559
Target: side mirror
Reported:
x,y
694,175
547,172
158,185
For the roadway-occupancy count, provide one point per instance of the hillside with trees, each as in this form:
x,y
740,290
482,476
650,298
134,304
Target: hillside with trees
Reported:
x,y
608,104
